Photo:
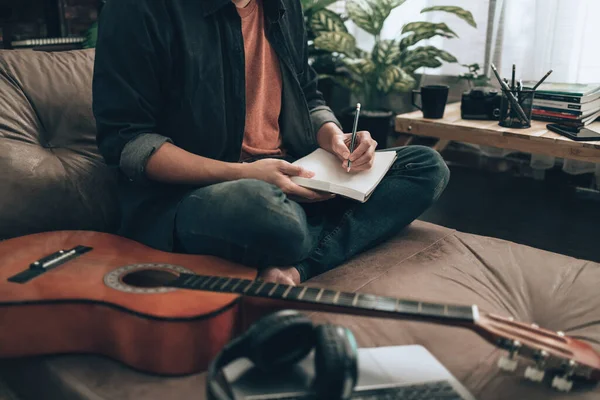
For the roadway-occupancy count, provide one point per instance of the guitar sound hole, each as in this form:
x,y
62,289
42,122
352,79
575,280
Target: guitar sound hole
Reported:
x,y
149,278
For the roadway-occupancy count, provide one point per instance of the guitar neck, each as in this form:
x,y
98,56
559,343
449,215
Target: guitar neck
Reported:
x,y
318,299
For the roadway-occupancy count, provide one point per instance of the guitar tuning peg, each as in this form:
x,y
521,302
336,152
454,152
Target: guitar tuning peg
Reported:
x,y
536,374
564,383
510,363
507,364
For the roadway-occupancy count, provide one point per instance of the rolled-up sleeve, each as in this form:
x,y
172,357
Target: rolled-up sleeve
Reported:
x,y
136,153
129,70
321,115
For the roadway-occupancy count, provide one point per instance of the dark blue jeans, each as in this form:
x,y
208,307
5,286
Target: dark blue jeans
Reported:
x,y
254,223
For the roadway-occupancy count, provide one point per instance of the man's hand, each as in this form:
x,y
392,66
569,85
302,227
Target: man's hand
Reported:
x,y
332,139
279,172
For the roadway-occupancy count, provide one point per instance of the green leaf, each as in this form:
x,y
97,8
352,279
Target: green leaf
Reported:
x,y
370,15
396,79
418,31
404,85
386,52
364,15
327,21
91,37
426,56
336,42
458,11
316,5
359,66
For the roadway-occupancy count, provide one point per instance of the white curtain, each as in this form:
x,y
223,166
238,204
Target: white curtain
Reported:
x,y
536,35
562,35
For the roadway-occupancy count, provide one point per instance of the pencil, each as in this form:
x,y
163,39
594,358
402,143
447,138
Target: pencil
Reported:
x,y
354,133
542,80
512,85
511,97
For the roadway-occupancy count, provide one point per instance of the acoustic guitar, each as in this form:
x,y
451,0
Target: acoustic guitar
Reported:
x,y
170,314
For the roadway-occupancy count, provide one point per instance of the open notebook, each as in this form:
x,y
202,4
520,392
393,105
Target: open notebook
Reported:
x,y
331,177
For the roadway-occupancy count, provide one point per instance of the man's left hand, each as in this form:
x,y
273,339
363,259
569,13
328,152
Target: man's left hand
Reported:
x,y
364,150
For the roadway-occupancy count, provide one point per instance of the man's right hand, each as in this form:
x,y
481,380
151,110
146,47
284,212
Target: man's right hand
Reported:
x,y
279,172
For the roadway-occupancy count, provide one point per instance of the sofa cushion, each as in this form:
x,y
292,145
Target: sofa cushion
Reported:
x,y
425,262
51,174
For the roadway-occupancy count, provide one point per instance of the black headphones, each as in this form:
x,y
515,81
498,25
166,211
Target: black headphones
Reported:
x,y
280,340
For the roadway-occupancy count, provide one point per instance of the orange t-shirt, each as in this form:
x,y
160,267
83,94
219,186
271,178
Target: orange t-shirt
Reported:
x,y
263,86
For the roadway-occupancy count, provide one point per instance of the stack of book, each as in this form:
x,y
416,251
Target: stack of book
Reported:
x,y
50,44
567,103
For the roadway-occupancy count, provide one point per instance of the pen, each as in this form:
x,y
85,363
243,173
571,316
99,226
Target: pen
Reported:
x,y
354,133
511,97
542,80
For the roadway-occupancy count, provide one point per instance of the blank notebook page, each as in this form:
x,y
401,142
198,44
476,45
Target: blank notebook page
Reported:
x,y
328,168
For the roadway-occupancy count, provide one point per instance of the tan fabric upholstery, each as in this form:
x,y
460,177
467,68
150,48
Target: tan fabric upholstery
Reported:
x,y
52,178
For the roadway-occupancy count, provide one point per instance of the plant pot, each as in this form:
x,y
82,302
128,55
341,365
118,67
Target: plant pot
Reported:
x,y
378,122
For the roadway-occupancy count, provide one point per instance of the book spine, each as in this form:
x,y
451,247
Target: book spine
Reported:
x,y
556,104
548,118
557,97
536,111
47,41
557,110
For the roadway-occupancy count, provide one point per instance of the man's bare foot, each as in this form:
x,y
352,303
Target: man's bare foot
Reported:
x,y
285,276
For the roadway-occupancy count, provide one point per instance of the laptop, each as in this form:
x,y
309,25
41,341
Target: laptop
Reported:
x,y
394,372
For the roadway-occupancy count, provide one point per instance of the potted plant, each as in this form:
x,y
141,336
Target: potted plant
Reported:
x,y
474,78
324,62
389,67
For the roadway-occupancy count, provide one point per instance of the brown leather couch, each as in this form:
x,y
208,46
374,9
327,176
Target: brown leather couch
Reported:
x,y
51,178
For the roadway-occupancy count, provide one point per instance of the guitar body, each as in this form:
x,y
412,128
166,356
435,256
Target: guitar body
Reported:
x,y
71,309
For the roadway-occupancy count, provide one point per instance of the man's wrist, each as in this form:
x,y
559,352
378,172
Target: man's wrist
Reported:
x,y
326,133
236,171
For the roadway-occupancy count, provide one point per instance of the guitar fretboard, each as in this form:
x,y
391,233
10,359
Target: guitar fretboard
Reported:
x,y
258,288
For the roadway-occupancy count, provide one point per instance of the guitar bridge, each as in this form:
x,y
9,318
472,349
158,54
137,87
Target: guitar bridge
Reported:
x,y
47,263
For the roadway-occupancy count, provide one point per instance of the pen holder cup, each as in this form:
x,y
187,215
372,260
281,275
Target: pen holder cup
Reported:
x,y
510,116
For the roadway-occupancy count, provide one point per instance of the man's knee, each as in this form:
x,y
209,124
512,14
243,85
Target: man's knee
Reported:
x,y
252,213
431,167
276,222
439,174
241,200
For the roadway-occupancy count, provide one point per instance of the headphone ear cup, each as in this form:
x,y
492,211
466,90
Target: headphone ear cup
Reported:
x,y
280,340
336,363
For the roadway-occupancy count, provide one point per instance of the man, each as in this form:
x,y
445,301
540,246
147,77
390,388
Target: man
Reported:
x,y
201,104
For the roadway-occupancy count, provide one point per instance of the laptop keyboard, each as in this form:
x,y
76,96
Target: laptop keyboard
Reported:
x,y
441,390
437,390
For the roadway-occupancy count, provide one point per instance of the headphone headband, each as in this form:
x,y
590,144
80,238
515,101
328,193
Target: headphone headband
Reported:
x,y
280,340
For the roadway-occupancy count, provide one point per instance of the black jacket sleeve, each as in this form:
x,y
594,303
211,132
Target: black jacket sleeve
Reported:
x,y
130,68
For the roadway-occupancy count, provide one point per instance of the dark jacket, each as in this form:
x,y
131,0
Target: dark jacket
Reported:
x,y
173,70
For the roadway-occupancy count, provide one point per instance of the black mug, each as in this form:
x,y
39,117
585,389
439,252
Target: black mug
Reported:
x,y
433,100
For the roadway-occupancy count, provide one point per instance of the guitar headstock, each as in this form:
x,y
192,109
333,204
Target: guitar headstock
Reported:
x,y
549,351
